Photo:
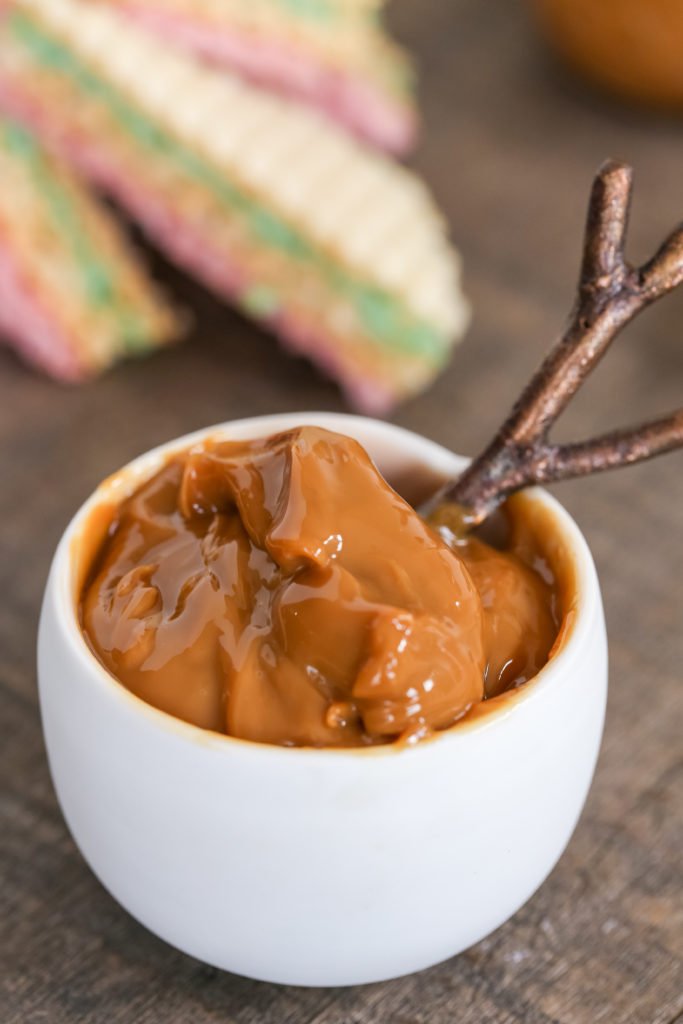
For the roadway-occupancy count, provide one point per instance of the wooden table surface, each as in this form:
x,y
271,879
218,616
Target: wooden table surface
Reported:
x,y
509,147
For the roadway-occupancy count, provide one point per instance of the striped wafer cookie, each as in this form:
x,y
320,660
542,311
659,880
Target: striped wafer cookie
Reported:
x,y
333,54
339,250
73,298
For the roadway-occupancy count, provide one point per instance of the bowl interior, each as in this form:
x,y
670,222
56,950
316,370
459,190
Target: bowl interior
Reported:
x,y
413,465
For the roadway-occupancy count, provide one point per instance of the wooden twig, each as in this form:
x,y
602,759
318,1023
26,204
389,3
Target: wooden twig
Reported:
x,y
610,294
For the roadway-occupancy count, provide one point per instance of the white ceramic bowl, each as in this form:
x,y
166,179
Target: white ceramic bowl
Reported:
x,y
321,867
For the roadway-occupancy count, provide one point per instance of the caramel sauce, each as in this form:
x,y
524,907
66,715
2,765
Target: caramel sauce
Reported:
x,y
279,590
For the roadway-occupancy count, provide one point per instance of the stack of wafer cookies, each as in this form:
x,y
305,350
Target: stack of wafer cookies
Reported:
x,y
338,249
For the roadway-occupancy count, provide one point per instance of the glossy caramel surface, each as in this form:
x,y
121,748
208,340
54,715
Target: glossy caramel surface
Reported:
x,y
279,590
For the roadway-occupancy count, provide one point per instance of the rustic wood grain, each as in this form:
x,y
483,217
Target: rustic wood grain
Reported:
x,y
510,146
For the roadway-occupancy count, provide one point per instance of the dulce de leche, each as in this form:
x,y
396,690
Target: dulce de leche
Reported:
x,y
279,590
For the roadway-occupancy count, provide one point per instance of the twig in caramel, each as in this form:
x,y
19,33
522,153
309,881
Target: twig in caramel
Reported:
x,y
611,293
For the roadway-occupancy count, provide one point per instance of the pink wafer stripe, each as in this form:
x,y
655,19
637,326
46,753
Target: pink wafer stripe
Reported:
x,y
186,247
354,102
28,327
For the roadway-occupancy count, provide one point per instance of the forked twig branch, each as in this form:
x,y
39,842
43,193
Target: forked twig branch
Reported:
x,y
610,294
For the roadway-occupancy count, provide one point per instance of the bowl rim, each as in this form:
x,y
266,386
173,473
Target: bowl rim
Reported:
x,y
120,483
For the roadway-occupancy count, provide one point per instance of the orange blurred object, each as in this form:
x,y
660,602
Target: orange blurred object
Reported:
x,y
630,47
